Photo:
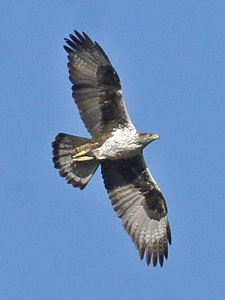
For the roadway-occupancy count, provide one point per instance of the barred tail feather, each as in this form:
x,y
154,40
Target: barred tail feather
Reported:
x,y
77,173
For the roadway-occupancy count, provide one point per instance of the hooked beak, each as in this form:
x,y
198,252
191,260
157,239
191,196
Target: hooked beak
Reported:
x,y
155,136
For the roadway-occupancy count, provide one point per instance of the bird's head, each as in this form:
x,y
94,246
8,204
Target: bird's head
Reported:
x,y
147,138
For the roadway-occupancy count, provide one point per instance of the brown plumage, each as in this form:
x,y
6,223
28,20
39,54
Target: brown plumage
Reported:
x,y
116,145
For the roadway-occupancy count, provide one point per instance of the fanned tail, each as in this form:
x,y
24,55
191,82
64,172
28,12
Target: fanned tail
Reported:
x,y
69,157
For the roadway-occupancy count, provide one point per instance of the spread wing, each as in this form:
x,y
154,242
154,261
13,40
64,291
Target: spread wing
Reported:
x,y
138,201
96,86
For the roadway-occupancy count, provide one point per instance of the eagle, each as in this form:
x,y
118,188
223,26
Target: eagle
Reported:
x,y
116,145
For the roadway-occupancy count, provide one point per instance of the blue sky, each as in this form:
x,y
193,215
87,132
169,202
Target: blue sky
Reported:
x,y
61,243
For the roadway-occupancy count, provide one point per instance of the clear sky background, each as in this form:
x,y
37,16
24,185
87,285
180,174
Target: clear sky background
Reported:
x,y
61,243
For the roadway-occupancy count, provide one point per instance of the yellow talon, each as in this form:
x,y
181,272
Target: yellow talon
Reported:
x,y
83,158
81,153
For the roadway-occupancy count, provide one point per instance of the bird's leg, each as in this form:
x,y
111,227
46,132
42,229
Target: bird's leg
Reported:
x,y
83,158
81,153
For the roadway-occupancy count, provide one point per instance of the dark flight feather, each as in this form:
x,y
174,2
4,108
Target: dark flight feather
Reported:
x,y
96,83
139,202
134,194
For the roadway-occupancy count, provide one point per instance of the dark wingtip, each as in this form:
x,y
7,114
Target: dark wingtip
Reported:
x,y
161,259
79,35
155,259
166,251
68,49
77,42
148,257
87,37
76,32
141,253
169,237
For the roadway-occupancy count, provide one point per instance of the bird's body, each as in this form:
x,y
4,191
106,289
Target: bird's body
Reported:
x,y
123,143
116,145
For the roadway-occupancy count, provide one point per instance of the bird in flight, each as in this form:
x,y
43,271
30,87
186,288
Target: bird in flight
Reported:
x,y
116,145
